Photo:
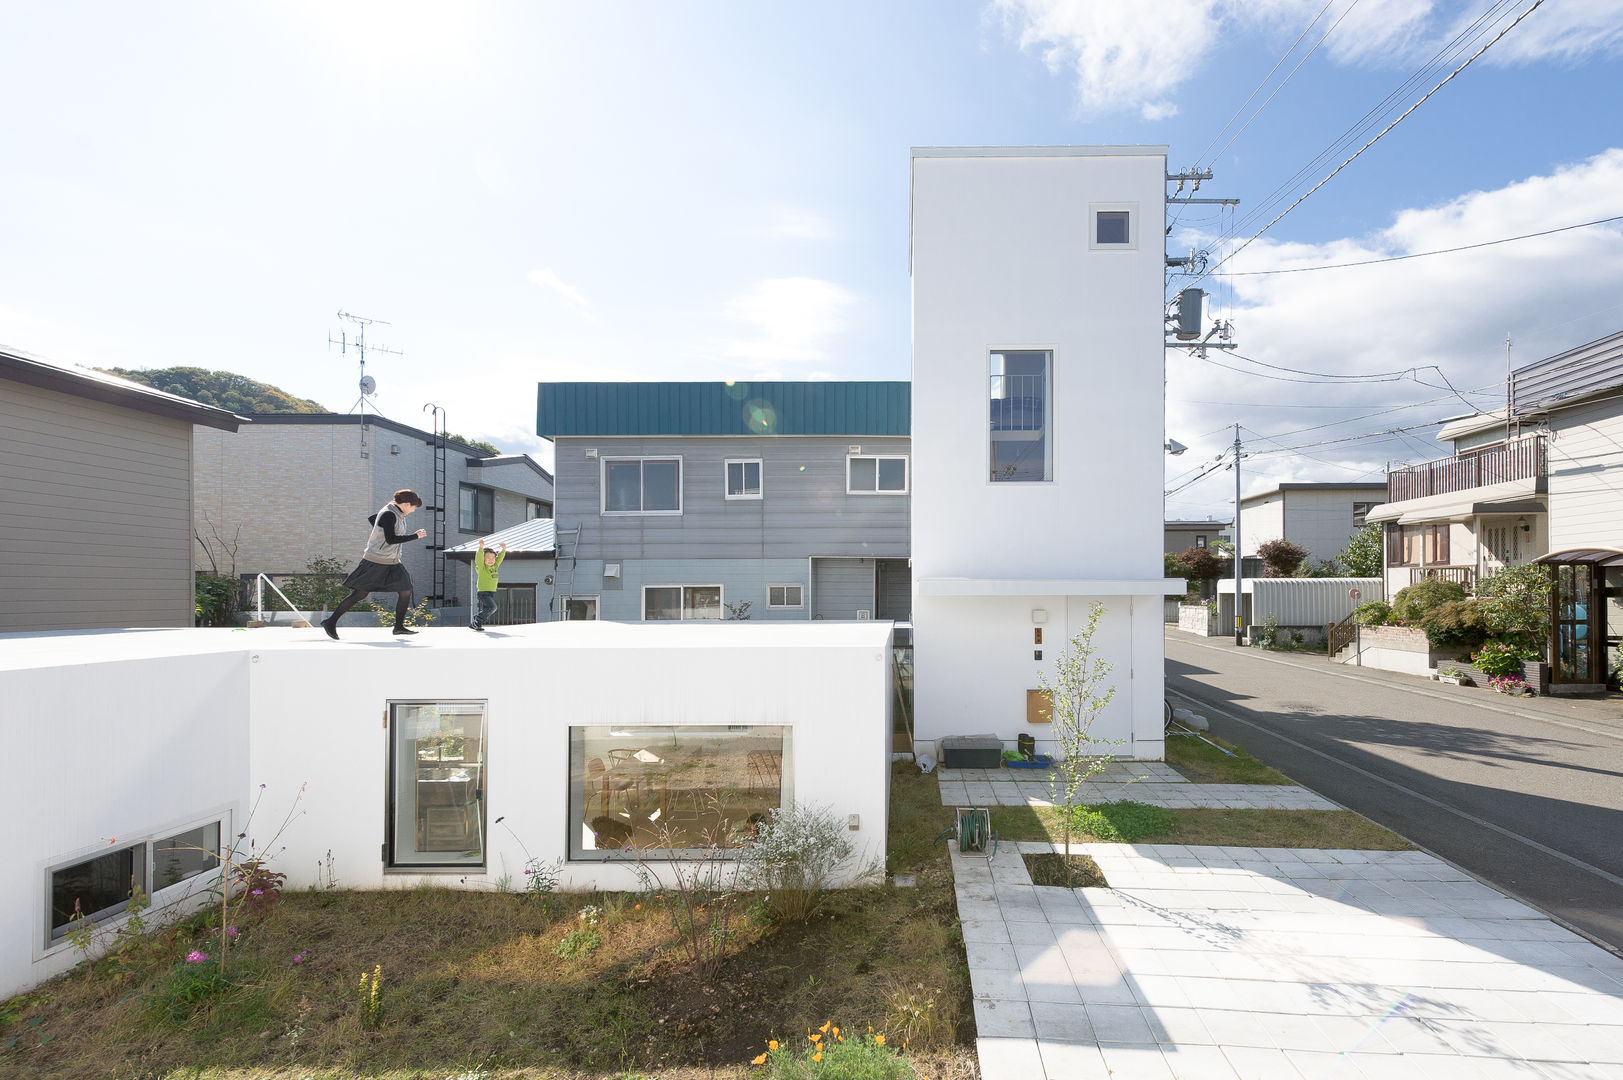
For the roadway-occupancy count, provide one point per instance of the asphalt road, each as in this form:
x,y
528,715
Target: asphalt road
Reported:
x,y
1528,797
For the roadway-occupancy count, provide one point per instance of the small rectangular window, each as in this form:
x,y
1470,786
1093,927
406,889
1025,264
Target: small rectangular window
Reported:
x,y
672,790
874,475
1200,540
785,596
476,509
96,888
436,814
185,855
1018,392
582,609
535,508
671,603
1110,227
743,479
642,486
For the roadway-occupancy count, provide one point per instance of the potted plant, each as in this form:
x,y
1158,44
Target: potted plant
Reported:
x,y
1454,677
1514,685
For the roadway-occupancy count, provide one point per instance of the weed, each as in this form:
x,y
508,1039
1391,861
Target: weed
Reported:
x,y
1122,822
792,857
826,1054
578,943
919,1015
370,998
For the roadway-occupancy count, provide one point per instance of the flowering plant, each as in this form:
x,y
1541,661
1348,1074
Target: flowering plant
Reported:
x,y
1510,684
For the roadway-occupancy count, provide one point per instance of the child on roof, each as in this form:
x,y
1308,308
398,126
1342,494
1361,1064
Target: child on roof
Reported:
x,y
489,563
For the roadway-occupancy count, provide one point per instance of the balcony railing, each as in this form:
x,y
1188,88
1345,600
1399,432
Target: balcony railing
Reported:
x,y
1460,575
1519,459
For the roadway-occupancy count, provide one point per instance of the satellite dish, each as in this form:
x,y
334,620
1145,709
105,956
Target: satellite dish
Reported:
x,y
369,385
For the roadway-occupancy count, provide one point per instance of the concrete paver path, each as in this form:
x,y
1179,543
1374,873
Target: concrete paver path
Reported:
x,y
1151,782
1212,963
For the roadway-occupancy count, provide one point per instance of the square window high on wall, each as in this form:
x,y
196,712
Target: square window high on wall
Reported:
x,y
675,791
436,801
1019,385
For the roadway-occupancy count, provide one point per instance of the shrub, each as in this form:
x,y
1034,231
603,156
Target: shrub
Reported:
x,y
1373,613
215,600
1455,624
1502,658
1280,558
1410,604
1365,554
1516,602
1265,635
320,587
792,857
1204,563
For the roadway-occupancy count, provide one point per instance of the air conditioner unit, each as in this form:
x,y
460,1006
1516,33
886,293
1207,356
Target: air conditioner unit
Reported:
x,y
864,614
611,569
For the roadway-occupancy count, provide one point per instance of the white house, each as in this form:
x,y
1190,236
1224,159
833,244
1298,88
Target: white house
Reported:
x,y
1038,365
449,758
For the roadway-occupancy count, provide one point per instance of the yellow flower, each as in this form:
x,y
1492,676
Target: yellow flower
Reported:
x,y
814,1037
817,1056
772,1044
760,1060
837,1034
879,1040
825,1026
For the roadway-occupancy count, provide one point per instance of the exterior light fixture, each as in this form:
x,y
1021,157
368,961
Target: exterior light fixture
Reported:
x,y
1522,524
1174,447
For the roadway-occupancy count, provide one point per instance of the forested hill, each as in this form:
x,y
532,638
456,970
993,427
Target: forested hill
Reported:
x,y
221,389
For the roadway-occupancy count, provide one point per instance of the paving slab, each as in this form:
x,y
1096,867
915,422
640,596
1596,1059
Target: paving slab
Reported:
x,y
1273,962
1152,782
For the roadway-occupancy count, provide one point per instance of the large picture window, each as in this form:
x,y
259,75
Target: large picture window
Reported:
x,y
642,485
670,603
1018,392
436,812
666,790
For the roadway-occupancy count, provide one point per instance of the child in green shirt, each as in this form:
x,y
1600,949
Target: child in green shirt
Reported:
x,y
488,564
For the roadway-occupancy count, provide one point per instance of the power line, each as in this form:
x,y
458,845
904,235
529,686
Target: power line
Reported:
x,y
1419,254
1377,138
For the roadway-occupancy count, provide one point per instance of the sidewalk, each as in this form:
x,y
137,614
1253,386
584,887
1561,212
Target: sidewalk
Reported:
x,y
1224,963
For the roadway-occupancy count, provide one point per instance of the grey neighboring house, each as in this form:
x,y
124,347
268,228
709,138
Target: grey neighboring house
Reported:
x,y
1320,517
293,487
690,500
95,498
1180,536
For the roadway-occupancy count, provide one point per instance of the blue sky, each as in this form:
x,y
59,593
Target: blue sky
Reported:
x,y
719,190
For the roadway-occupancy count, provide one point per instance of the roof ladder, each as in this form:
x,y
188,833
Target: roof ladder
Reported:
x,y
566,543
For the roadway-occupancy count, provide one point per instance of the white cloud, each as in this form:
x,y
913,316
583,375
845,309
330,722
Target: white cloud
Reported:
x,y
546,279
1136,56
789,321
1453,311
793,224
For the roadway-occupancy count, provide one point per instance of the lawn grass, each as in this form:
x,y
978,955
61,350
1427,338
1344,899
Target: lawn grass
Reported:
x,y
473,983
1237,828
1206,764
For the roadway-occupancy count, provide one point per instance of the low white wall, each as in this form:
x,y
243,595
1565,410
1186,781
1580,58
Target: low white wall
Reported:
x,y
975,658
1391,648
1198,619
125,742
105,754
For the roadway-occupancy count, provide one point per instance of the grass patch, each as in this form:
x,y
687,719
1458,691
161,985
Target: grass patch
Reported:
x,y
1239,828
473,983
1206,764
1077,872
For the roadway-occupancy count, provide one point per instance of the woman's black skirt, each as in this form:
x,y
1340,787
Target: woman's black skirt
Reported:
x,y
378,577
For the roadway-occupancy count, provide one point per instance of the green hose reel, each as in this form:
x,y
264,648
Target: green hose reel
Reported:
x,y
973,832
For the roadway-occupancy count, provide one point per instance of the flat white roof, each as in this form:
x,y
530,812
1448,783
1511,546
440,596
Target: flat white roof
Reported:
x,y
1050,587
66,648
1038,151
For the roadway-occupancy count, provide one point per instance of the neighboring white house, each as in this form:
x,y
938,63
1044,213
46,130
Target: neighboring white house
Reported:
x,y
1545,486
1038,365
1318,517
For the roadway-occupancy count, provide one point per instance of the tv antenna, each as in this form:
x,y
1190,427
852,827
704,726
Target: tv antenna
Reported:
x,y
357,342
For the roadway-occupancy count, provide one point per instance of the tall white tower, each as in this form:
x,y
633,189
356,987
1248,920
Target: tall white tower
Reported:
x,y
1037,417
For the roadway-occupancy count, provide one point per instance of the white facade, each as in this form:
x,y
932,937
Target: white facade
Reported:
x,y
1008,258
1319,517
182,727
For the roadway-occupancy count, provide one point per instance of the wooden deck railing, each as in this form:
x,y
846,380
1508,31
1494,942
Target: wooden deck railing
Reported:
x,y
1463,575
1519,459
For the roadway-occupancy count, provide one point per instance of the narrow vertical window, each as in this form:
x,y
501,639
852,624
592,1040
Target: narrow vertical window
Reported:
x,y
1018,390
436,784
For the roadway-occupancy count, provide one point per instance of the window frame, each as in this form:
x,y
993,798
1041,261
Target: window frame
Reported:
x,y
574,824
907,474
641,460
480,493
798,606
538,506
597,606
1129,208
684,586
391,864
146,842
1048,411
727,480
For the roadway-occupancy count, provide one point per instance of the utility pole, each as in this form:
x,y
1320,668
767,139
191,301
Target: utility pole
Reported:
x,y
1239,562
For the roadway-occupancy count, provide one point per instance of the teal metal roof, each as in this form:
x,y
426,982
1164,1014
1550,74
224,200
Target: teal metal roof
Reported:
x,y
715,408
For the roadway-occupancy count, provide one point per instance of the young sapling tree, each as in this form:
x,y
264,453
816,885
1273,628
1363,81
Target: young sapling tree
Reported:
x,y
1078,693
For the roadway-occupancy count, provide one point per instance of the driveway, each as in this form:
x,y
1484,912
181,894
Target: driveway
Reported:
x,y
1525,795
